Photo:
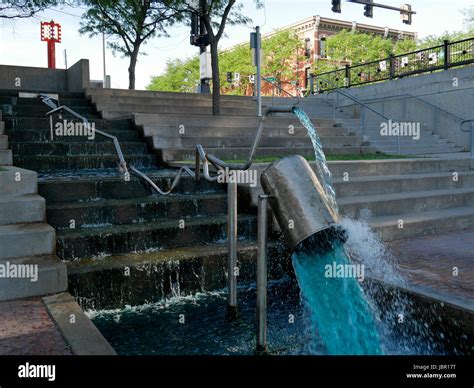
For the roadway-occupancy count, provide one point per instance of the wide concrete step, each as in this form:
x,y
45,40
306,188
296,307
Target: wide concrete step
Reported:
x,y
44,136
148,269
51,278
22,209
430,139
160,142
76,148
39,110
72,187
6,158
22,240
94,214
364,168
411,202
112,111
178,96
74,244
69,102
15,181
24,123
178,121
425,223
167,155
437,148
121,101
389,184
49,163
211,131
3,142
424,151
90,92
39,113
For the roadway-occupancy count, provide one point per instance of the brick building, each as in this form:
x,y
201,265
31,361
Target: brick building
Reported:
x,y
314,31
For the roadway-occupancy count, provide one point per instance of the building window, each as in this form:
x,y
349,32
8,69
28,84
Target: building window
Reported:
x,y
322,47
307,48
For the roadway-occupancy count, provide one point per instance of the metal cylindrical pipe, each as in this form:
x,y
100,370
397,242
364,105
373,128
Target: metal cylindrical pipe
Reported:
x,y
259,65
298,199
262,275
472,145
232,249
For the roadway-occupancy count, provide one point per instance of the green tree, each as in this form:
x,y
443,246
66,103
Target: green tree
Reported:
x,y
437,40
132,22
279,52
469,18
355,47
13,9
179,76
215,16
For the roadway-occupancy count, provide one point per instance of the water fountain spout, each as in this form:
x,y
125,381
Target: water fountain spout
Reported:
x,y
298,199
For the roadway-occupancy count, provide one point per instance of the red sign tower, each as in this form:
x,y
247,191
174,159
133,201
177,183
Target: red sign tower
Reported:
x,y
51,33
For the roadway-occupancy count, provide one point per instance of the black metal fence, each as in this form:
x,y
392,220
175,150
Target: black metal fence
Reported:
x,y
445,56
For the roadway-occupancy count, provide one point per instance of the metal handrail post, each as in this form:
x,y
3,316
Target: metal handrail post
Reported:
x,y
472,145
232,309
258,80
362,121
471,121
262,274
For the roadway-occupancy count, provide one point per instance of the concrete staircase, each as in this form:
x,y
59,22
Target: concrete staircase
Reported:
x,y
428,143
25,238
97,213
174,123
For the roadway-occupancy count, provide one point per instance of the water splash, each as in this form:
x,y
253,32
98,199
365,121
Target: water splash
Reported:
x,y
320,158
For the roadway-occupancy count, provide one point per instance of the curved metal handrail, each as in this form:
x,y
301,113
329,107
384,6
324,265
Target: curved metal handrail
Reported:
x,y
408,95
201,155
207,158
464,122
56,108
356,101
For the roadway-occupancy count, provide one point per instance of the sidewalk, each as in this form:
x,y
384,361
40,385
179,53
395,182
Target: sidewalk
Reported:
x,y
27,329
429,261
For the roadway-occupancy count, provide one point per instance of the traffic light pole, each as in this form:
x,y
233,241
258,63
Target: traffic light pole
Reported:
x,y
259,66
405,10
378,5
204,82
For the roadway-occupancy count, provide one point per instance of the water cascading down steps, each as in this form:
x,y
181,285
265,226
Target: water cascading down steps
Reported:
x,y
94,210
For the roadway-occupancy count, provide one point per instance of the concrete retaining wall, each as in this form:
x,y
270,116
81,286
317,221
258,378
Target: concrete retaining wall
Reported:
x,y
451,90
21,78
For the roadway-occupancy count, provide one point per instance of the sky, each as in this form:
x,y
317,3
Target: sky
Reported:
x,y
20,40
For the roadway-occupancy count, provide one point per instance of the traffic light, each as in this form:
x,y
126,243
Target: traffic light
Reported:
x,y
194,24
336,6
229,77
406,16
369,9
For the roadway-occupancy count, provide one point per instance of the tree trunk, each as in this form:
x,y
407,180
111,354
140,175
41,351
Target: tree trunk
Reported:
x,y
131,68
216,85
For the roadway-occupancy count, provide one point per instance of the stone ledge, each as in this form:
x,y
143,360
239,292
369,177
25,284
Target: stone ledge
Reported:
x,y
82,336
